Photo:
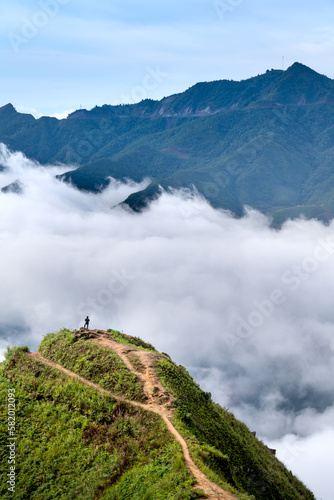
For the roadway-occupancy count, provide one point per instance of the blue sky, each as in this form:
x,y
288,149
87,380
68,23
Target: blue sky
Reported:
x,y
58,55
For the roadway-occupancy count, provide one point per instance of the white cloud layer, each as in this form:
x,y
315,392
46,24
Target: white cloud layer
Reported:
x,y
246,308
311,459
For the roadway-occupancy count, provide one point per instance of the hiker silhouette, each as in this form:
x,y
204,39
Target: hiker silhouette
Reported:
x,y
87,320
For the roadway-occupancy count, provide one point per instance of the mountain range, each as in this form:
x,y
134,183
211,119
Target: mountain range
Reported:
x,y
265,142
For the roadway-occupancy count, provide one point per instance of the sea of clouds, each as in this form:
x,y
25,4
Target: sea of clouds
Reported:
x,y
248,309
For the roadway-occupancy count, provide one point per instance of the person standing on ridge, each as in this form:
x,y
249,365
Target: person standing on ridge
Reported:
x,y
87,320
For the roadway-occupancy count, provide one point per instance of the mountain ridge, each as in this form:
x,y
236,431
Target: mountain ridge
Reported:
x,y
164,107
110,384
150,108
264,142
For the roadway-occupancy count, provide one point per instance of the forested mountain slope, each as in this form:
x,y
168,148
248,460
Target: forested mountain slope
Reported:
x,y
266,142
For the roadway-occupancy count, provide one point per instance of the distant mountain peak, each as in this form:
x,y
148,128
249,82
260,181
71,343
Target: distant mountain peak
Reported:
x,y
299,69
7,109
299,66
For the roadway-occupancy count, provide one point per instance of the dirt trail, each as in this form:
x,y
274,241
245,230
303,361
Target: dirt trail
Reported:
x,y
158,401
145,372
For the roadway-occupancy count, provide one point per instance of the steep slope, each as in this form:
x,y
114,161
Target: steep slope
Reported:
x,y
104,415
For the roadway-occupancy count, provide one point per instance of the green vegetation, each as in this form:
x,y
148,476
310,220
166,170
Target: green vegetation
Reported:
x,y
95,363
73,442
265,142
222,446
132,341
154,481
11,351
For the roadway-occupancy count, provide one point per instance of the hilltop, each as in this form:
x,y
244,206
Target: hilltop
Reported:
x,y
265,142
104,415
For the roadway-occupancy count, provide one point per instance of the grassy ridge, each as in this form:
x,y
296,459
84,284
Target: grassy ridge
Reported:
x,y
223,447
95,363
132,341
73,442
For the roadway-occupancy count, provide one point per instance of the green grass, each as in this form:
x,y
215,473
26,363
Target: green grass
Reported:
x,y
95,363
223,447
73,442
154,480
132,341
